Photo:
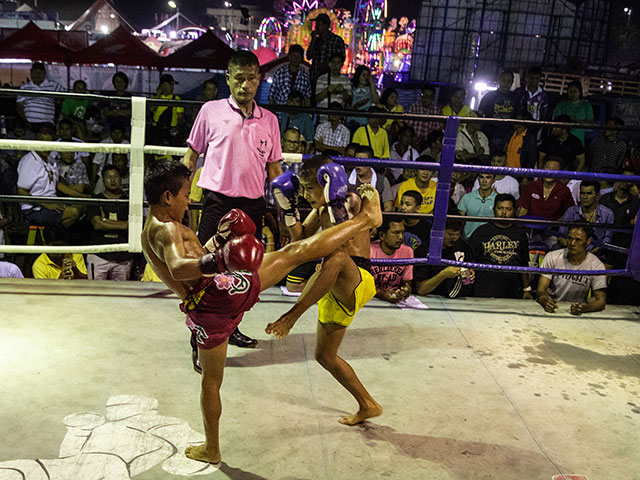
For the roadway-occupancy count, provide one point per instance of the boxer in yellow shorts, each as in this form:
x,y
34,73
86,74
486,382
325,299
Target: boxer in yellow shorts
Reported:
x,y
342,284
331,310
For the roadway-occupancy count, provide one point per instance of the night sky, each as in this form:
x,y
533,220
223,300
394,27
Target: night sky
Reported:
x,y
141,13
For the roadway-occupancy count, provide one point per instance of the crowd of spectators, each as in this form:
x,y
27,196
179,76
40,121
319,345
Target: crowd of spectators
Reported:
x,y
345,133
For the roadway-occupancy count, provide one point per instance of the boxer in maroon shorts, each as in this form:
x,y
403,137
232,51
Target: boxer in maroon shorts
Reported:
x,y
221,280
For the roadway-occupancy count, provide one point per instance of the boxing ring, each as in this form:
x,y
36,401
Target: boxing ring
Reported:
x,y
97,379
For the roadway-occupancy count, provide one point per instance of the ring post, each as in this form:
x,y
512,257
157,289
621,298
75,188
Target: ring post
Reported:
x,y
442,192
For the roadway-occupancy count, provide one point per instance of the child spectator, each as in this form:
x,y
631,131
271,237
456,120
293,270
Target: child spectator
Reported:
x,y
416,230
422,183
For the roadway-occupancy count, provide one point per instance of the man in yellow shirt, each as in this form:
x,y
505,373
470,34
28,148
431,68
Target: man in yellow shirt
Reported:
x,y
67,266
422,183
167,120
373,135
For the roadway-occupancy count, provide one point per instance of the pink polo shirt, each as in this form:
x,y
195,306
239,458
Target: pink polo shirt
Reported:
x,y
236,149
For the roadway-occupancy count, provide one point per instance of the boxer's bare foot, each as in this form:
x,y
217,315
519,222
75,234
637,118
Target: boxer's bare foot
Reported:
x,y
200,453
370,204
362,414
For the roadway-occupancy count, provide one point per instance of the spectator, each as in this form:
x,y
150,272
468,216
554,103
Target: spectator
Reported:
x,y
416,230
503,183
546,197
364,174
563,144
607,151
532,96
393,282
333,134
116,136
110,225
433,145
623,290
167,120
425,106
10,270
478,203
576,107
522,148
372,135
389,102
554,288
445,281
456,106
402,150
75,109
500,103
116,111
300,121
291,77
350,150
9,160
292,141
195,196
363,95
65,134
333,86
324,43
471,143
588,210
38,110
501,243
67,266
209,91
423,183
38,177
457,190
73,180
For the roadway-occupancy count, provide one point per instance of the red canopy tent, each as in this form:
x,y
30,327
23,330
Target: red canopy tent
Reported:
x,y
207,52
35,44
270,67
120,48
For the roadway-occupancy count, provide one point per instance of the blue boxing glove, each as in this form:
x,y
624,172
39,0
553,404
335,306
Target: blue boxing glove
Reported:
x,y
333,179
285,192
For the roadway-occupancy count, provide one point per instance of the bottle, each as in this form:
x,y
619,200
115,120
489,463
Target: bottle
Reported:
x,y
3,126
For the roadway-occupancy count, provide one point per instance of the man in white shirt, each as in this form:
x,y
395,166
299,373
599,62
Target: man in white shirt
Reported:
x,y
332,135
503,183
573,288
333,86
38,176
37,110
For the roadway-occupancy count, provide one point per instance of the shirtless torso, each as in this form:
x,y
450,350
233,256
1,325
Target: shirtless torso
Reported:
x,y
160,233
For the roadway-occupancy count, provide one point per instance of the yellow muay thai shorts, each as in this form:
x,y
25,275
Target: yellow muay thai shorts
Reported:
x,y
330,310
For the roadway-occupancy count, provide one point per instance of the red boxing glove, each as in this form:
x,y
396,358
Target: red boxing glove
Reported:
x,y
239,253
234,224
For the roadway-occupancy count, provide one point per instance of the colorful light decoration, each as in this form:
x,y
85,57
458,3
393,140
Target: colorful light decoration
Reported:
x,y
305,5
269,27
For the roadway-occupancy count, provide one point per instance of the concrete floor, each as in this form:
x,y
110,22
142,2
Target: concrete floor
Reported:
x,y
97,383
